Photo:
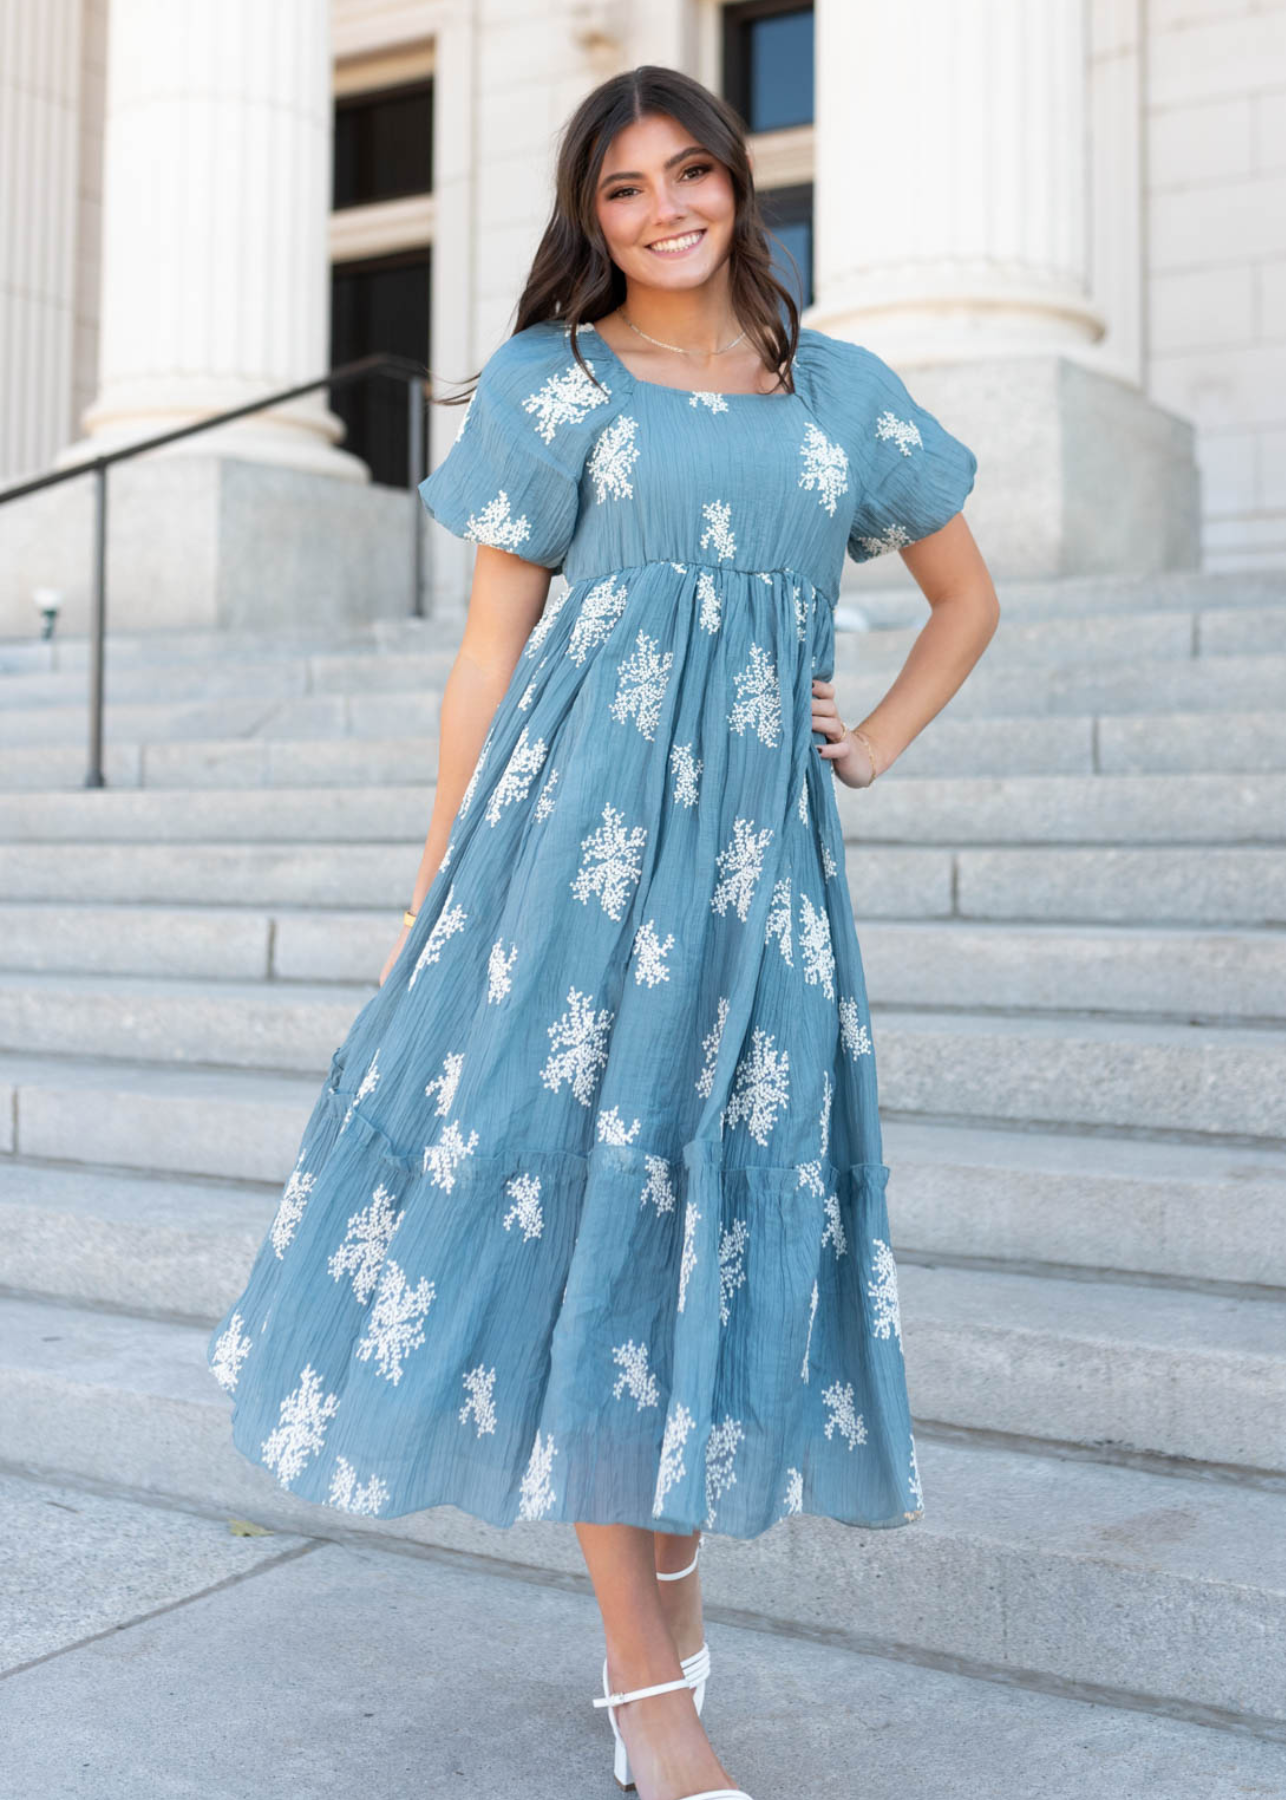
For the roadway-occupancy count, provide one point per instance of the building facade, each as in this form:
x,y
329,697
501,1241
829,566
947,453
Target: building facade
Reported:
x,y
1064,223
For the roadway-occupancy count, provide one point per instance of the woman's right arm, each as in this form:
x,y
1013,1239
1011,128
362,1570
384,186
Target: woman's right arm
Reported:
x,y
506,599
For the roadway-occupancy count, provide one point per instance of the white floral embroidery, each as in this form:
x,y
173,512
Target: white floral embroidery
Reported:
x,y
808,1341
494,526
545,798
793,1501
641,685
710,617
778,925
345,1493
527,695
855,1037
681,567
829,866
762,1086
902,432
759,698
718,532
672,1469
519,772
741,863
612,1129
710,1044
713,403
884,1292
526,1209
450,920
802,807
688,1255
810,1177
565,398
611,862
825,1123
825,467
442,1157
445,1084
721,1448
917,1492
365,1244
499,983
649,953
801,614
394,1320
657,1187
537,1490
839,1402
601,607
635,1375
366,1086
544,624
893,537
764,576
579,1039
614,455
479,1384
291,1207
230,1350
686,771
301,1430
834,1232
815,947
732,1266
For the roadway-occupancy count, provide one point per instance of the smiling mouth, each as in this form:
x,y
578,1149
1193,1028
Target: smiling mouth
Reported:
x,y
678,246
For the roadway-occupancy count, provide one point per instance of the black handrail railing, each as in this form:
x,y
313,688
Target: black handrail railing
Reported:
x,y
380,363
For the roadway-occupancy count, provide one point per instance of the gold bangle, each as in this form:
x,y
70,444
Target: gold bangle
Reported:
x,y
409,918
869,747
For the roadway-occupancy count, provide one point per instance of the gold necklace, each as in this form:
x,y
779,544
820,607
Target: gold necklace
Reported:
x,y
678,347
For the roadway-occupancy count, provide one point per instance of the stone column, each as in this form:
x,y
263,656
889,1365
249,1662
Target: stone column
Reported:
x,y
217,160
954,179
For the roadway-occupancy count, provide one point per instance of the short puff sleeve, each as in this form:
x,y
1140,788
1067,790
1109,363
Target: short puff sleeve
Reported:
x,y
511,478
912,474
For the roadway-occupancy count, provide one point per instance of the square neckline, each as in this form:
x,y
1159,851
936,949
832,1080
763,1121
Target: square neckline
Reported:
x,y
667,388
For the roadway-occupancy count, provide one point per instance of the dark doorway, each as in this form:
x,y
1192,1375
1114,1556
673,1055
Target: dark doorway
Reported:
x,y
380,304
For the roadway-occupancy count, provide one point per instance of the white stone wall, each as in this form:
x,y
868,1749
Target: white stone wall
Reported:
x,y
1215,104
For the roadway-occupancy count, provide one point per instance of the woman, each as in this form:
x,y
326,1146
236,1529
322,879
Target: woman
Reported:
x,y
588,1223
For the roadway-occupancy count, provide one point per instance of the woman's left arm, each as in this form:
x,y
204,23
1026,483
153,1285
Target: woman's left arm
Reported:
x,y
964,613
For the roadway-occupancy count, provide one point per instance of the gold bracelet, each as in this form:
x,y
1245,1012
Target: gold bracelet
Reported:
x,y
408,917
869,747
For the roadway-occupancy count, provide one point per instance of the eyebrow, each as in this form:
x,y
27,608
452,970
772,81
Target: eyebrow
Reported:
x,y
637,174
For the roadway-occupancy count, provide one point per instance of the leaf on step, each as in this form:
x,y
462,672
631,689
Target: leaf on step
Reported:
x,y
246,1528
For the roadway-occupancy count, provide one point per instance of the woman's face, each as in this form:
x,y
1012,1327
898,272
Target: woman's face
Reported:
x,y
665,205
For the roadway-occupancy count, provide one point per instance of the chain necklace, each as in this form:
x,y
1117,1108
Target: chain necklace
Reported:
x,y
678,347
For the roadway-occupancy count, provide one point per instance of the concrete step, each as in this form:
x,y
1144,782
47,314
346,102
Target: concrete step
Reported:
x,y
307,716
1213,976
888,602
1168,743
1234,887
1020,809
157,649
1122,1369
1191,1214
280,677
1040,1564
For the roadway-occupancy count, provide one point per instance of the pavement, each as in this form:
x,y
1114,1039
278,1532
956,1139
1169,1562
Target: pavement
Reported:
x,y
149,1652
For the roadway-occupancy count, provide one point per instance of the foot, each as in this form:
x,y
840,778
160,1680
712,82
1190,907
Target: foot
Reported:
x,y
681,1602
670,1755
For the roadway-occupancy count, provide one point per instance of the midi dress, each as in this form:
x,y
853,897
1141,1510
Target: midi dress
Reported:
x,y
589,1219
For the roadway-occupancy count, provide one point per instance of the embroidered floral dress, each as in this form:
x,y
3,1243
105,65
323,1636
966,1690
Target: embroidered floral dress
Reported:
x,y
589,1219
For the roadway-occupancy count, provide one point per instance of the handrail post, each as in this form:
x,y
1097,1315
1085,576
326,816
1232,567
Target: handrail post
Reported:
x,y
94,777
415,456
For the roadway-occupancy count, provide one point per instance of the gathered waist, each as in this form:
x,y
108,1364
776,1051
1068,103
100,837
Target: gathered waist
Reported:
x,y
692,565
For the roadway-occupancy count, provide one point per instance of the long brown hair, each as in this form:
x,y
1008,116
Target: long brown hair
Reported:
x,y
572,275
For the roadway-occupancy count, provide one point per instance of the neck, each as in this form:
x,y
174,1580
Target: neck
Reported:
x,y
698,319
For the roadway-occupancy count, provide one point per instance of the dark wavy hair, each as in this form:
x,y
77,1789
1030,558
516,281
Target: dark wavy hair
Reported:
x,y
572,275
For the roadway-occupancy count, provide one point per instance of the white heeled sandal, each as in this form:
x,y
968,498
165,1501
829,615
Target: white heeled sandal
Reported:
x,y
621,1763
697,1666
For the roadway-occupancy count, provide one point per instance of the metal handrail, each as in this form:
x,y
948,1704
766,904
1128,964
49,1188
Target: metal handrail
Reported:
x,y
379,363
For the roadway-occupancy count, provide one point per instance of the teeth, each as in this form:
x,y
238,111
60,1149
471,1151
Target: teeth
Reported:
x,y
676,243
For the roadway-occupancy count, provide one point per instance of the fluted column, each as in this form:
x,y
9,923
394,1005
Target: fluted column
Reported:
x,y
952,176
217,161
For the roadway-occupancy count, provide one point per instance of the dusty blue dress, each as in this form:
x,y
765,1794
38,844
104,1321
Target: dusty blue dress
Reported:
x,y
589,1219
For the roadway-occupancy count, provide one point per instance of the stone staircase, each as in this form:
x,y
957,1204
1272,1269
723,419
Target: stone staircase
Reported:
x,y
1071,899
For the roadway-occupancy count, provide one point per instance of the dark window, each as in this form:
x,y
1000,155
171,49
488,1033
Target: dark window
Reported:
x,y
384,145
382,304
768,62
788,214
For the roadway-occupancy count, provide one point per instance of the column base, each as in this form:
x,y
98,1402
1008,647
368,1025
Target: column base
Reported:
x,y
213,542
1079,473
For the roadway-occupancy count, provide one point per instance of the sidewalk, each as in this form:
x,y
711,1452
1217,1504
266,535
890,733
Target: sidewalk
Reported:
x,y
150,1653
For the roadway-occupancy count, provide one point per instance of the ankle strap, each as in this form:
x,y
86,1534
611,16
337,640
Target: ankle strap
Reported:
x,y
661,1687
674,1574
